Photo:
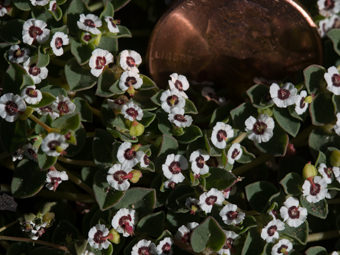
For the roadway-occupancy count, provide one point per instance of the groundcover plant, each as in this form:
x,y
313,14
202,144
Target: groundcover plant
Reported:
x,y
97,159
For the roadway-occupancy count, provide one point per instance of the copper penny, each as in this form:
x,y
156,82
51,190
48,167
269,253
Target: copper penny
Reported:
x,y
230,42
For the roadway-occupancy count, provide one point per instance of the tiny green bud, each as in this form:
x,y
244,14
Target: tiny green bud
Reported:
x,y
71,138
308,99
48,218
26,113
136,175
177,131
335,158
266,111
309,170
59,149
136,129
114,236
131,91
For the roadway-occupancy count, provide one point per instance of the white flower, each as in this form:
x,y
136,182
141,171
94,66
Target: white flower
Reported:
x,y
36,73
282,247
30,151
292,213
164,246
132,111
111,25
315,190
328,7
98,237
169,184
48,110
124,221
31,95
130,60
208,199
332,78
53,144
89,23
230,215
171,99
180,83
184,232
88,253
220,134
270,232
143,159
198,162
86,37
118,177
63,105
284,96
11,106
127,155
260,129
230,238
300,104
54,178
334,253
234,153
337,125
52,6
336,171
99,59
3,9
177,117
144,247
39,2
173,166
192,204
326,172
17,54
130,79
328,23
35,30
59,39
117,104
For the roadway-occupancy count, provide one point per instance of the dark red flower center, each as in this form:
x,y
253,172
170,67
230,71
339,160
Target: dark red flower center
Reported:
x,y
293,212
232,215
166,248
272,230
328,172
46,109
53,145
18,53
144,251
54,7
11,108
179,85
221,135
282,249
58,42
175,167
314,189
200,161
119,176
34,70
31,92
63,107
55,181
98,237
130,61
132,112
34,31
210,200
87,37
129,154
336,80
302,102
283,94
329,4
259,127
130,81
124,222
172,100
228,243
89,23
180,118
146,160
235,153
100,62
113,23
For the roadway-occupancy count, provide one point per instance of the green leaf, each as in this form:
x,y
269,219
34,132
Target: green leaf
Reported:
x,y
253,243
169,145
83,107
241,113
246,157
319,140
322,109
258,193
214,152
190,135
118,4
299,233
11,31
57,14
152,224
47,99
319,209
102,148
219,178
156,99
106,197
321,158
108,43
334,35
77,77
108,85
22,5
219,114
286,121
164,124
292,184
108,10
27,180
314,79
259,96
45,161
141,199
208,234
336,102
148,118
316,250
190,107
75,149
147,83
124,32
67,122
82,52
43,59
73,12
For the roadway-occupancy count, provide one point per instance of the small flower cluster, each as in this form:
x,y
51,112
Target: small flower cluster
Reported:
x,y
330,10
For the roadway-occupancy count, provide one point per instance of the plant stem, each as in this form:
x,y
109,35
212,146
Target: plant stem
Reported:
x,y
66,195
240,137
258,161
95,6
42,124
8,225
75,179
28,240
77,162
323,236
96,112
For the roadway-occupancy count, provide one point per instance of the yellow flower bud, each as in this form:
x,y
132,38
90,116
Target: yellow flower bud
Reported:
x,y
335,158
115,237
136,129
136,176
309,170
308,99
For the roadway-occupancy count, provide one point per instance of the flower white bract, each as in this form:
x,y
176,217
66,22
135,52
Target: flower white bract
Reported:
x,y
336,172
54,178
111,25
30,151
164,246
130,79
328,7
326,172
198,162
89,23
123,221
118,177
127,155
17,54
171,99
173,166
31,95
315,190
220,134
132,111
11,106
3,9
184,231
208,199
177,117
130,60
59,39
53,144
143,159
282,247
36,73
283,96
63,105
230,215
270,232
48,110
337,125
52,6
292,213
260,130
300,104
35,30
234,153
180,83
230,238
332,78
39,2
97,237
144,247
99,59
